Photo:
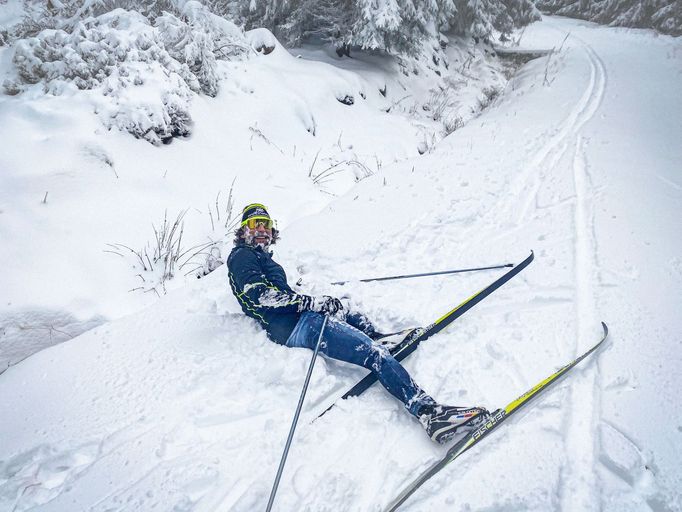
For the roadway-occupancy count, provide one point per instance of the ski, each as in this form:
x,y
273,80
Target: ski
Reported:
x,y
412,341
495,420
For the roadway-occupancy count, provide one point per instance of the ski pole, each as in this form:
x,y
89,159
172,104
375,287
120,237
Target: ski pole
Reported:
x,y
296,415
409,276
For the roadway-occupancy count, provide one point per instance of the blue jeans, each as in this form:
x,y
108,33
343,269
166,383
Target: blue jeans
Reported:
x,y
344,342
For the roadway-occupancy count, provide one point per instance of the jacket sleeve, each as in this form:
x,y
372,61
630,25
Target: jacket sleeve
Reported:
x,y
253,289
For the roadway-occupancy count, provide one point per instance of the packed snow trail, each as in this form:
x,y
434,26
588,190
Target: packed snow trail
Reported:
x,y
186,405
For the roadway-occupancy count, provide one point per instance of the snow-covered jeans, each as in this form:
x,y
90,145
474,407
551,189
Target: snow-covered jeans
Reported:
x,y
344,342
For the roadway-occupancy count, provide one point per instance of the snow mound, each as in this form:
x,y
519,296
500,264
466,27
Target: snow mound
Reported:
x,y
28,328
263,41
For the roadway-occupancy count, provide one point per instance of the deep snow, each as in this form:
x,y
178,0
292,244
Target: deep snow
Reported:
x,y
276,131
185,405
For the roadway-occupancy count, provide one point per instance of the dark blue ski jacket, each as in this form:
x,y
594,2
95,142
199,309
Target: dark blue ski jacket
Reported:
x,y
260,286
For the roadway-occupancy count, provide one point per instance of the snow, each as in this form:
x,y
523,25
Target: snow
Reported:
x,y
275,126
11,13
182,403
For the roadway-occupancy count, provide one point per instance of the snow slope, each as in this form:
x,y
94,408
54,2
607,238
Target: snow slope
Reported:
x,y
276,130
185,405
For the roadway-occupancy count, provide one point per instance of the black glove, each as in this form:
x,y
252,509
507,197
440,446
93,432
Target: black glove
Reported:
x,y
325,304
329,305
305,303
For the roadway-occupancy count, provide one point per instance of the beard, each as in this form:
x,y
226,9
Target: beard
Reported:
x,y
261,240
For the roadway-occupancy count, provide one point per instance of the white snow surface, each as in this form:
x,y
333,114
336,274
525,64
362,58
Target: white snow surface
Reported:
x,y
185,405
276,133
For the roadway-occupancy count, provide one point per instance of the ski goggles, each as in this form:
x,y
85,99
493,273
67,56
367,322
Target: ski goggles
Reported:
x,y
254,222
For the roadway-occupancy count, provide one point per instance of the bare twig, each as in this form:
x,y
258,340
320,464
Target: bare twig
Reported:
x,y
396,103
312,166
323,176
192,271
256,132
549,58
53,328
562,42
229,206
136,253
329,171
246,48
200,248
438,102
367,172
376,158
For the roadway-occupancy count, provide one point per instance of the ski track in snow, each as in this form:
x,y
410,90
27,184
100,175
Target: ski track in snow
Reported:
x,y
545,161
579,484
563,152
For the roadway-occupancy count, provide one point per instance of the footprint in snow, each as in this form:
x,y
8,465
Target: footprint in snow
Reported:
x,y
40,474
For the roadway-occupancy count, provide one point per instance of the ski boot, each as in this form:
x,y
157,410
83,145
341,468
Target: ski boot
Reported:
x,y
443,422
391,341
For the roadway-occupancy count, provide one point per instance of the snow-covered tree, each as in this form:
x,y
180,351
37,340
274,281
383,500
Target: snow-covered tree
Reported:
x,y
327,21
482,18
198,38
172,48
400,27
662,15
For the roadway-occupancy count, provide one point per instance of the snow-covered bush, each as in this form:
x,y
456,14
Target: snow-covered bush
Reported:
x,y
662,15
198,38
146,68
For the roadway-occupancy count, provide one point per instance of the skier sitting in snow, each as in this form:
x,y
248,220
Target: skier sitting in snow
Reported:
x,y
292,319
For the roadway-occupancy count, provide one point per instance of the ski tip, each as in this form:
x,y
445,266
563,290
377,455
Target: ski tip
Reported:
x,y
606,329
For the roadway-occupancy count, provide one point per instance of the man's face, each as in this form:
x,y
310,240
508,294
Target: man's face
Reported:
x,y
258,232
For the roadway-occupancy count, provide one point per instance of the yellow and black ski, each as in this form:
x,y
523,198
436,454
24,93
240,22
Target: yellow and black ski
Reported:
x,y
412,341
494,420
